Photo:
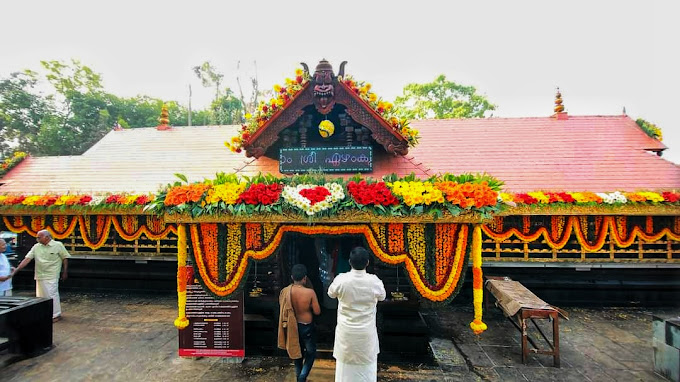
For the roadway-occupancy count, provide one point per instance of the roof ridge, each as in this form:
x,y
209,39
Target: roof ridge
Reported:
x,y
417,165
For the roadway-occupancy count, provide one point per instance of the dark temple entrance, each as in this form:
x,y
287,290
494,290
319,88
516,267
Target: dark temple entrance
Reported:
x,y
324,257
403,334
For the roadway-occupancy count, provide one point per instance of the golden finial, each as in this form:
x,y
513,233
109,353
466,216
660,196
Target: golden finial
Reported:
x,y
558,102
164,120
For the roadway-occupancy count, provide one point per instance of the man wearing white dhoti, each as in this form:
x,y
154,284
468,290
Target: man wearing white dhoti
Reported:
x,y
356,345
51,259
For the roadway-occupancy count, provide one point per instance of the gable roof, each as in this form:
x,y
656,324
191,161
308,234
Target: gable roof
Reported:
x,y
581,153
592,153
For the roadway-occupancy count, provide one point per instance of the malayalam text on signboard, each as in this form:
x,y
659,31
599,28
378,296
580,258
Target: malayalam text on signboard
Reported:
x,y
215,326
326,159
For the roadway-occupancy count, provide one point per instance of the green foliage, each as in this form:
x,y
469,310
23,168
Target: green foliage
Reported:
x,y
348,204
22,111
650,129
76,111
442,99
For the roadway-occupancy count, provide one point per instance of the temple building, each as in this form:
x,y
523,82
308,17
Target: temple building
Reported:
x,y
571,204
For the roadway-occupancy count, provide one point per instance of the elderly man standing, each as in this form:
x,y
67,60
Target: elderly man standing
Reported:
x,y
49,257
356,336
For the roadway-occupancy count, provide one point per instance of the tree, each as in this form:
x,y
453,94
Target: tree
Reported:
x,y
442,99
209,76
82,118
228,108
22,112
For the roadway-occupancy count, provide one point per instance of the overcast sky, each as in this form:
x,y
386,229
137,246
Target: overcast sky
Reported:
x,y
603,55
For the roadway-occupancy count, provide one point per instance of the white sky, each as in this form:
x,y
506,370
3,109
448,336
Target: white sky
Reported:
x,y
603,55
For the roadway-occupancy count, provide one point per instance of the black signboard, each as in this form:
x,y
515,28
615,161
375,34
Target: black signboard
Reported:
x,y
326,159
215,326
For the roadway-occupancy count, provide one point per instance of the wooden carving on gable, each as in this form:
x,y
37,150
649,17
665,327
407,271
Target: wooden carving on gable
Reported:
x,y
326,113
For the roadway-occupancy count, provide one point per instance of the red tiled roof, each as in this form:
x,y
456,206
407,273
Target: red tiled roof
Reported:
x,y
598,153
582,153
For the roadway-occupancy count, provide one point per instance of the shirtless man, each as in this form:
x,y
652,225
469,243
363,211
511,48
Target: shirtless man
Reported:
x,y
302,299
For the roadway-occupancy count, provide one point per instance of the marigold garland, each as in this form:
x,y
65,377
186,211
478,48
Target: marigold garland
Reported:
x,y
233,247
62,226
37,223
97,238
379,231
222,289
606,226
181,321
265,111
477,325
253,236
416,246
445,233
209,247
395,238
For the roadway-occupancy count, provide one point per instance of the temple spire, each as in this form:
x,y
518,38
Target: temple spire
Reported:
x,y
164,120
559,107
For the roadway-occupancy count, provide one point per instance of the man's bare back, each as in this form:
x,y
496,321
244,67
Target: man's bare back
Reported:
x,y
304,303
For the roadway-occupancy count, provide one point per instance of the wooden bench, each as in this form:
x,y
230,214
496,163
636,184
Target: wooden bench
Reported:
x,y
519,304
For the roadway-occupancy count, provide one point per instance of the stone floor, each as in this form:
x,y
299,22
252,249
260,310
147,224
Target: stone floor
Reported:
x,y
111,337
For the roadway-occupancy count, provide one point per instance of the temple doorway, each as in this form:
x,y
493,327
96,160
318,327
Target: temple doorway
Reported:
x,y
324,257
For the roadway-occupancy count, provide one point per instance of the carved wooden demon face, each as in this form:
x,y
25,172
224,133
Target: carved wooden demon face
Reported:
x,y
324,95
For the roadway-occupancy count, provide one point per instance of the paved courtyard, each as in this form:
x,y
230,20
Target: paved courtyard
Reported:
x,y
113,337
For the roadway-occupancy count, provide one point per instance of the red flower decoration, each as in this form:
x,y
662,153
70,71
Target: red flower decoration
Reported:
x,y
316,194
261,194
84,200
371,194
671,197
142,200
115,199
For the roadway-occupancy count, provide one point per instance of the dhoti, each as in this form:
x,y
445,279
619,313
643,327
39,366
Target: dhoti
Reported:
x,y
49,288
345,372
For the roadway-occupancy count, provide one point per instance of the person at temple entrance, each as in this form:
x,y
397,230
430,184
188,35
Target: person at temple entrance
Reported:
x,y
51,260
356,345
298,305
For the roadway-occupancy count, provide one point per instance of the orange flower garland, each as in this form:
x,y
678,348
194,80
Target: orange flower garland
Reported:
x,y
37,223
614,227
477,325
100,233
395,234
443,248
210,247
181,321
62,226
253,236
221,289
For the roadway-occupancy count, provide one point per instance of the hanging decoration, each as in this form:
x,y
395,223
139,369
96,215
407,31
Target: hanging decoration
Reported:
x,y
591,232
450,261
94,229
477,325
184,272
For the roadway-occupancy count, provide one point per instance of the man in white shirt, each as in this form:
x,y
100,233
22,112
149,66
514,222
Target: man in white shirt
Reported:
x,y
51,260
356,345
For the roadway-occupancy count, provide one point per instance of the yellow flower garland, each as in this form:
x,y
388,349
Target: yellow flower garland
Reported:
x,y
477,325
416,246
181,321
234,278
